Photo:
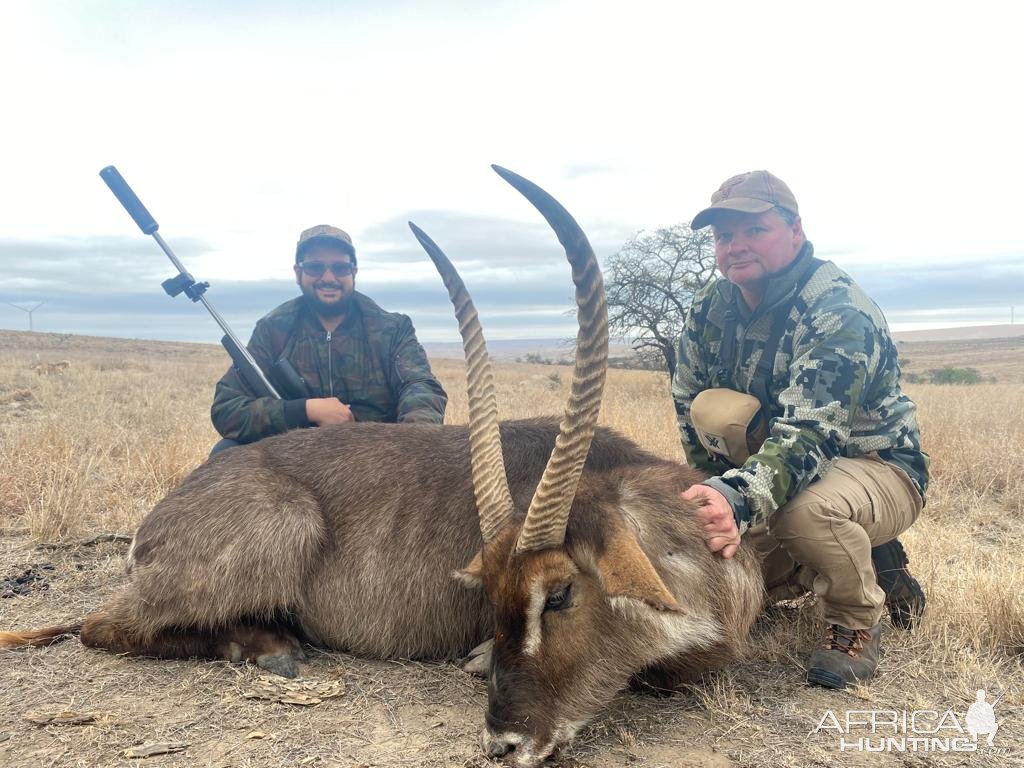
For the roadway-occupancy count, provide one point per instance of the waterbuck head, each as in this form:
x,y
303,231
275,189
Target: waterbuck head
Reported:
x,y
578,605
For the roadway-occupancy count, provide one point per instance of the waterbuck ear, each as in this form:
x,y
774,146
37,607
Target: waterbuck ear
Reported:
x,y
627,572
472,575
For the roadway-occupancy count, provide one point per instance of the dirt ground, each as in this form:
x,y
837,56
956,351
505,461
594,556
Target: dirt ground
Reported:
x,y
73,469
390,713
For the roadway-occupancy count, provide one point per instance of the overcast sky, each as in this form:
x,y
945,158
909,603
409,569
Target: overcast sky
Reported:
x,y
897,125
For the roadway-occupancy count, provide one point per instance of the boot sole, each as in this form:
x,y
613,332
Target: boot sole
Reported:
x,y
825,679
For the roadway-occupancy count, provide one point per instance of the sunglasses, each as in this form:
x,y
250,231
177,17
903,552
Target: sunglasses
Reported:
x,y
317,269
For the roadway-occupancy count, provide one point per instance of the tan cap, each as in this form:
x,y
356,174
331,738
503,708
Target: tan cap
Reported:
x,y
327,235
751,192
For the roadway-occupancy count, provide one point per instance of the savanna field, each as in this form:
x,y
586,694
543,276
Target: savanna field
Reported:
x,y
86,451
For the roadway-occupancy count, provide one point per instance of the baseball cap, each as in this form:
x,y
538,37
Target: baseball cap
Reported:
x,y
324,234
751,192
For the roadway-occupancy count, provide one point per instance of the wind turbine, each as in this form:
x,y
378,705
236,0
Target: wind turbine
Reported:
x,y
30,311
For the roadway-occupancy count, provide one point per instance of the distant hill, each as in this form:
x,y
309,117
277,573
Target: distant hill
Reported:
x,y
556,349
510,349
1004,331
72,344
506,350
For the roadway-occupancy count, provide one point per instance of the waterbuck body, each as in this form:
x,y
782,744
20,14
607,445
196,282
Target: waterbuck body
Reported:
x,y
569,545
351,532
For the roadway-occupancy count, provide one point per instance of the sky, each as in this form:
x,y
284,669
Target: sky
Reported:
x,y
897,125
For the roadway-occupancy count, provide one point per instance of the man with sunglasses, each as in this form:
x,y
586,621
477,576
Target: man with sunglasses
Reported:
x,y
357,361
788,393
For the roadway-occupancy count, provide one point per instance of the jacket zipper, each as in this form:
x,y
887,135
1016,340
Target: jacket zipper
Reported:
x,y
755,316
330,366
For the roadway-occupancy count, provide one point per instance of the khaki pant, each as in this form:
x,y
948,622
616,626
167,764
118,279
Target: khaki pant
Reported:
x,y
821,540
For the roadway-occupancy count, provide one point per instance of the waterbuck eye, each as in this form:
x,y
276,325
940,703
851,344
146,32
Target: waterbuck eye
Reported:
x,y
559,599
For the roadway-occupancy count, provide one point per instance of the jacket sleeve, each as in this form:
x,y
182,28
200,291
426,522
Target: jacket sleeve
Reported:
x,y
420,396
690,379
834,355
238,415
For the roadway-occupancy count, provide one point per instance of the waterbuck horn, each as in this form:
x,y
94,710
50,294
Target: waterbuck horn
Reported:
x,y
490,486
545,522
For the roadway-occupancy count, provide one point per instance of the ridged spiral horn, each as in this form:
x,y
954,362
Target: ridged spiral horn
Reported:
x,y
546,519
490,486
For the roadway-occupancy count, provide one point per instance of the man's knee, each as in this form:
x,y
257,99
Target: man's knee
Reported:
x,y
867,492
809,516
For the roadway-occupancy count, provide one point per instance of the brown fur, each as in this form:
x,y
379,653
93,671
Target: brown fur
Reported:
x,y
38,637
367,522
627,527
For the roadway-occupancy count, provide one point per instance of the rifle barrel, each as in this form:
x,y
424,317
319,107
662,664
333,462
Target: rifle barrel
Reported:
x,y
127,197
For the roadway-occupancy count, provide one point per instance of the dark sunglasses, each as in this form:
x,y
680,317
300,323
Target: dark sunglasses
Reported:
x,y
318,269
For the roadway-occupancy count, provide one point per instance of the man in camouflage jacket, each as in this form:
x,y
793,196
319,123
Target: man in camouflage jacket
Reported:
x,y
837,467
357,361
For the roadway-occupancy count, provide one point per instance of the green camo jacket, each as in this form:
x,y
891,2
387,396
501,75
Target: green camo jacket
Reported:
x,y
835,385
372,362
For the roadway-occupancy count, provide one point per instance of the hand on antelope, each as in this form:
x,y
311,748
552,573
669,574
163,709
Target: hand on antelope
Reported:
x,y
720,531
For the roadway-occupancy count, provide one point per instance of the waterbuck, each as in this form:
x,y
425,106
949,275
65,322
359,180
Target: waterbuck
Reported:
x,y
569,545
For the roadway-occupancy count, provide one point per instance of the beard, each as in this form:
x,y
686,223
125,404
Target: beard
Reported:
x,y
328,309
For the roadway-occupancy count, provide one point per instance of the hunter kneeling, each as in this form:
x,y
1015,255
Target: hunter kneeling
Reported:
x,y
333,353
788,391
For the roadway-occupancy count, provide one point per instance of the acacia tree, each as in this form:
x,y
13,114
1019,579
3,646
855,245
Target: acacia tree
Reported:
x,y
651,283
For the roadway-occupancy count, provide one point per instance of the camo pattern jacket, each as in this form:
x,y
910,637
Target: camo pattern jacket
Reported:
x,y
835,385
372,362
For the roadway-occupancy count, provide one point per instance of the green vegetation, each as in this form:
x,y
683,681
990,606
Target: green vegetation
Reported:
x,y
953,375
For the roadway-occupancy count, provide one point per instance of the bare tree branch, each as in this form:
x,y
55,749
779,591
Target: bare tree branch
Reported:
x,y
652,281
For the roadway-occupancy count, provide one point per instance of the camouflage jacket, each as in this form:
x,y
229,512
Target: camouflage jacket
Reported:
x,y
372,362
835,385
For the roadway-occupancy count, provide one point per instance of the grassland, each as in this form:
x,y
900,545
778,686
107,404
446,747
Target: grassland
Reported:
x,y
89,452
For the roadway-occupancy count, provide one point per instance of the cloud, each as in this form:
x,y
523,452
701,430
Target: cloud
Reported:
x,y
579,170
534,305
67,266
515,271
481,244
985,281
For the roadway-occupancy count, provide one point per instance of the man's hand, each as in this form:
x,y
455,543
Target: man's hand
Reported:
x,y
720,531
328,410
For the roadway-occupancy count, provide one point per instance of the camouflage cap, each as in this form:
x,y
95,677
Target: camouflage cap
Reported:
x,y
751,192
324,234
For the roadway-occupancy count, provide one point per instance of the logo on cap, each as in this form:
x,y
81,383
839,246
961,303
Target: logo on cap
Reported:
x,y
728,186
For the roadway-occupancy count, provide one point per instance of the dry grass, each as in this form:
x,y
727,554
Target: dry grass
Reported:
x,y
1001,359
91,451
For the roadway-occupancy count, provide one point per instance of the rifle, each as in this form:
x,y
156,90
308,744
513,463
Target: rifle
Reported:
x,y
287,378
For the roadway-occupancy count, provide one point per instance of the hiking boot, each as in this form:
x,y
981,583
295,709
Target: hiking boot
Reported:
x,y
904,598
849,656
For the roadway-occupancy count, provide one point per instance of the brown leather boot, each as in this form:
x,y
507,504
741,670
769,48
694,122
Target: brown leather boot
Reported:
x,y
849,656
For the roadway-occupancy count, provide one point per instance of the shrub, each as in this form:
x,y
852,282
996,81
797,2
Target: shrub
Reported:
x,y
953,375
